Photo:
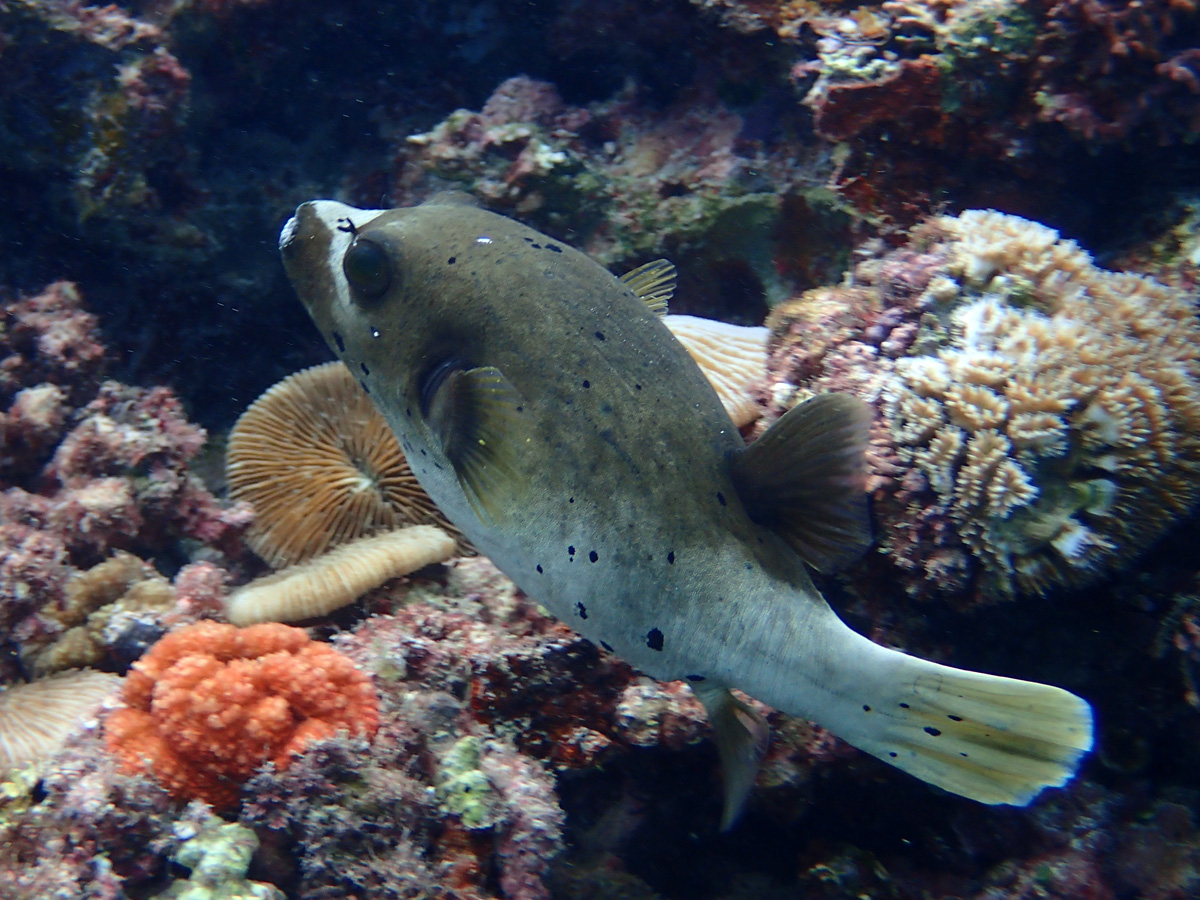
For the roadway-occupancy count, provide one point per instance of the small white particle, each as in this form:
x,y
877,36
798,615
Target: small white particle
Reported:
x,y
483,239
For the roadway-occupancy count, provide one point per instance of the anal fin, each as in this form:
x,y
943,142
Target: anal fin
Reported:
x,y
805,478
742,736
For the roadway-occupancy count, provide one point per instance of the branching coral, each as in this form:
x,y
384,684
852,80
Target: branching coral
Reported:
x,y
1039,416
210,703
1058,418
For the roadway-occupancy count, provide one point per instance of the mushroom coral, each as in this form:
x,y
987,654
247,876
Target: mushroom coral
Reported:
x,y
210,703
321,467
36,718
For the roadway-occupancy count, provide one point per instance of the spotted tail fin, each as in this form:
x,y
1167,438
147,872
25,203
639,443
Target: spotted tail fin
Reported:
x,y
993,739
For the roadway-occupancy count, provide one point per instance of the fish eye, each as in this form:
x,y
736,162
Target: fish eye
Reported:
x,y
367,268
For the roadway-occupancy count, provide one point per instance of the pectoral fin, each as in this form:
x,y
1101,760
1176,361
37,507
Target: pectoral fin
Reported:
x,y
475,412
805,478
742,736
654,283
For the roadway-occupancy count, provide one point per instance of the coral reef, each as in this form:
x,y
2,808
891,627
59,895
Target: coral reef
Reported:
x,y
626,185
210,703
88,467
218,857
1038,415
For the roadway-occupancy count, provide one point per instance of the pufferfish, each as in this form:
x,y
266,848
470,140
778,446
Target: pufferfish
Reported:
x,y
550,414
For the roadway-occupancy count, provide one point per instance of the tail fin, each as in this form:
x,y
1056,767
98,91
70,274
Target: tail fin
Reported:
x,y
993,739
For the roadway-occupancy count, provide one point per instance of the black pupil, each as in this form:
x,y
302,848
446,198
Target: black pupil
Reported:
x,y
366,268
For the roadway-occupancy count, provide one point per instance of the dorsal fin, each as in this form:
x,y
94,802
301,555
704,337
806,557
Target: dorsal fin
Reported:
x,y
475,412
654,283
805,478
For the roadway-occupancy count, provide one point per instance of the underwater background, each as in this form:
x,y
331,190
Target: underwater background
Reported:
x,y
980,216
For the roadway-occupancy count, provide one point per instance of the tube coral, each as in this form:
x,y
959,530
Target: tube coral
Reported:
x,y
210,703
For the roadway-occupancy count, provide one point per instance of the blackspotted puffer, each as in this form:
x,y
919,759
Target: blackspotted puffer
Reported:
x,y
551,415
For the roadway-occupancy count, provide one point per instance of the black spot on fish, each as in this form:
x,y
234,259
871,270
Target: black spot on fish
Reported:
x,y
364,368
905,706
570,499
582,610
866,708
527,240
654,639
671,558
408,411
720,498
962,753
599,335
362,384
520,409
637,387
930,730
749,567
892,754
695,678
593,555
954,718
437,466
553,249
586,383
535,246
337,339
423,453
570,551
539,568
606,646
452,260
606,409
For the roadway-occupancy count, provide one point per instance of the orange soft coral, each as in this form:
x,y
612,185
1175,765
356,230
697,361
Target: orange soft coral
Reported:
x,y
210,703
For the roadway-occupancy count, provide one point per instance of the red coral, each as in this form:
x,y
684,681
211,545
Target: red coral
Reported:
x,y
210,703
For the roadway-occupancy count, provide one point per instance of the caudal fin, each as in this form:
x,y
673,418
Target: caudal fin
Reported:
x,y
993,739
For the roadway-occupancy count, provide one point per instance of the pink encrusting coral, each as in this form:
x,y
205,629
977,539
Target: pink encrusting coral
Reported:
x,y
88,467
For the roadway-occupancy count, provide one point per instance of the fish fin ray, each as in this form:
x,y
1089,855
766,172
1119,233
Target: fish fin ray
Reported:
x,y
476,414
993,739
742,735
806,479
654,284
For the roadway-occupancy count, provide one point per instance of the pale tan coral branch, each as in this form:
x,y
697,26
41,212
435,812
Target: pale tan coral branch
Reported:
x,y
339,577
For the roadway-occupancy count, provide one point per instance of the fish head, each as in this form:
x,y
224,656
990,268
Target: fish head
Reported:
x,y
418,303
382,288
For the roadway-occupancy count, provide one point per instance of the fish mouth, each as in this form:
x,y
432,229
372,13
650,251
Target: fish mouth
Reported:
x,y
331,215
287,236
